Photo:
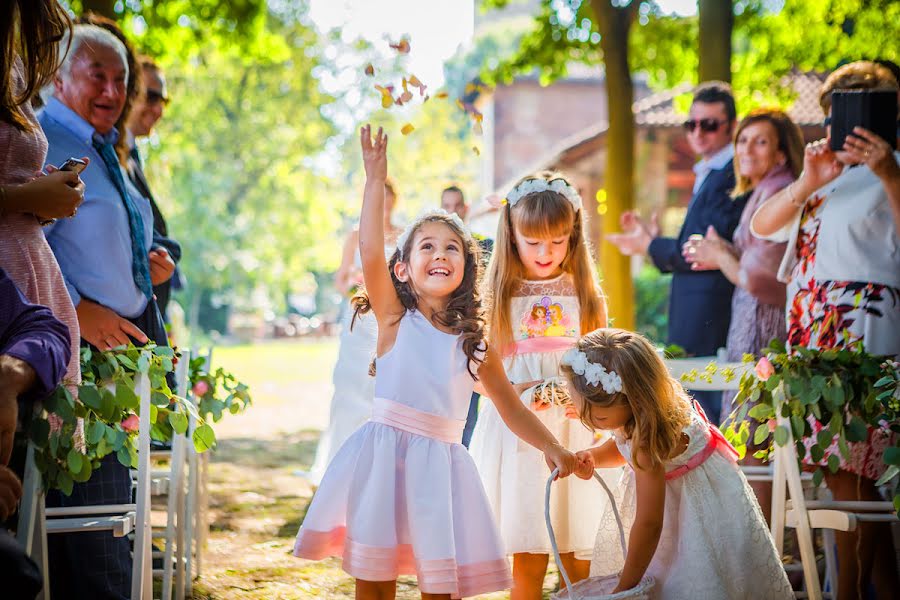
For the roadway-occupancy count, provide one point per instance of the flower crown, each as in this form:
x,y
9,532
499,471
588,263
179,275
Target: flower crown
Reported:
x,y
594,373
425,214
530,186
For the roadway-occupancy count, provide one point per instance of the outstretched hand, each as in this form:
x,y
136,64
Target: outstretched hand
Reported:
x,y
558,457
374,153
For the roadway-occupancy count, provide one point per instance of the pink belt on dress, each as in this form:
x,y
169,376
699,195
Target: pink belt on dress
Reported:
x,y
407,418
539,345
716,441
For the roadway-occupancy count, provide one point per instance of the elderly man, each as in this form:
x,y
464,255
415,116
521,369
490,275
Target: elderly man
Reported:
x,y
107,259
145,114
700,301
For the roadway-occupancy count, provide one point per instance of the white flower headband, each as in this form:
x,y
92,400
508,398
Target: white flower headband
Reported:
x,y
558,185
595,374
425,214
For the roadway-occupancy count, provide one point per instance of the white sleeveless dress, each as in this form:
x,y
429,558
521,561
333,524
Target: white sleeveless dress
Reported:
x,y
714,541
354,388
402,495
546,323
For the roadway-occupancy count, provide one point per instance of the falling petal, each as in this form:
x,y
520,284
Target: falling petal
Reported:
x,y
414,81
441,95
479,117
422,89
370,70
386,100
470,87
426,99
406,96
405,84
476,150
460,104
407,129
402,46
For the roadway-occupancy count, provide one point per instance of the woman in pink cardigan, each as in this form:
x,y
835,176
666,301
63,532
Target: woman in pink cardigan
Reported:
x,y
768,155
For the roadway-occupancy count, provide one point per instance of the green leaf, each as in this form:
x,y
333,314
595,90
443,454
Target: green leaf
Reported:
x,y
798,426
892,456
124,457
781,435
843,447
143,364
159,399
761,412
889,474
85,473
773,381
204,438
40,432
824,438
74,460
126,362
884,381
897,503
834,463
760,435
90,396
95,432
857,430
179,421
126,397
818,476
64,483
817,453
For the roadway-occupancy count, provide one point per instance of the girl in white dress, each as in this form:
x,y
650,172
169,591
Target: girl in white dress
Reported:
x,y
402,494
692,521
543,296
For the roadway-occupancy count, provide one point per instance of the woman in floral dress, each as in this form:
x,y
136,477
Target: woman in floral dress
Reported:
x,y
841,220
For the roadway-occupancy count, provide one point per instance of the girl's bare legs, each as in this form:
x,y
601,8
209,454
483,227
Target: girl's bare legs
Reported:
x,y
375,590
576,569
528,576
435,596
870,539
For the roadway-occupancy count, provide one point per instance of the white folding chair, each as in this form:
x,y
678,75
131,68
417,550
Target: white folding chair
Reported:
x,y
805,515
36,521
195,524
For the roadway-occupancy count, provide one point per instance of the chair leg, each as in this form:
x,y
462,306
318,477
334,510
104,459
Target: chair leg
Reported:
x,y
828,542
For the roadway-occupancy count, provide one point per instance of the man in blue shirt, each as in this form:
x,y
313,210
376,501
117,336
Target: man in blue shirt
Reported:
x,y
109,265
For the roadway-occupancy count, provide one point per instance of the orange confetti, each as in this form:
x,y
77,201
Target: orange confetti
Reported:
x,y
476,150
405,84
402,46
370,70
407,129
441,95
414,81
406,96
470,87
479,117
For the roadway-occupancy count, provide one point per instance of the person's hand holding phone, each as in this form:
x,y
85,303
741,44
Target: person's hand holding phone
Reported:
x,y
820,166
866,147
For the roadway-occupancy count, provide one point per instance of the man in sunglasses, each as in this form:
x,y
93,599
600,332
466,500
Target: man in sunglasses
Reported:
x,y
147,111
699,301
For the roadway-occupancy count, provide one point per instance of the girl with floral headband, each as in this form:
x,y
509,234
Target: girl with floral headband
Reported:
x,y
541,259
402,495
692,521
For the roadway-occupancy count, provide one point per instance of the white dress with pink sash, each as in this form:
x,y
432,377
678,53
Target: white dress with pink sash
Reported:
x,y
402,495
546,323
714,542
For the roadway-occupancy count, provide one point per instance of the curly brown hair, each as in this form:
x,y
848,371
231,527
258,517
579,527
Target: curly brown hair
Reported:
x,y
659,405
463,313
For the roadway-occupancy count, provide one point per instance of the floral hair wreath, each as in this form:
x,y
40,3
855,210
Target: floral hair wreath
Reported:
x,y
424,215
594,373
531,186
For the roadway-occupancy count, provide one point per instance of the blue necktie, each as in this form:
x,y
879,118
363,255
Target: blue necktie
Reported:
x,y
140,263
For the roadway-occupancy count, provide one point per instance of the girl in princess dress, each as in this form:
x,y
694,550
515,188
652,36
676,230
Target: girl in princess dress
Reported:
x,y
540,260
402,495
692,521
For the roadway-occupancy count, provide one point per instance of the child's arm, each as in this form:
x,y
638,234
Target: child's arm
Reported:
x,y
604,456
650,490
382,295
519,419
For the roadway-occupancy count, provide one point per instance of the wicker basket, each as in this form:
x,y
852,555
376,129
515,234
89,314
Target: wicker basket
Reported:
x,y
595,588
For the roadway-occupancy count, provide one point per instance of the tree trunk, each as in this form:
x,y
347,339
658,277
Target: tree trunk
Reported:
x,y
716,23
101,7
615,25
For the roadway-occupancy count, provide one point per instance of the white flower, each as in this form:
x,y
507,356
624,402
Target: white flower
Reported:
x,y
431,212
530,186
594,373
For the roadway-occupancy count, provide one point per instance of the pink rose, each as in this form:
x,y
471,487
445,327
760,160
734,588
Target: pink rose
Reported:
x,y
764,369
200,388
130,424
771,423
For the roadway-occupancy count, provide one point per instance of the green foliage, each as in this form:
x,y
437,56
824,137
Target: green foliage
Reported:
x,y
651,302
847,391
217,392
72,436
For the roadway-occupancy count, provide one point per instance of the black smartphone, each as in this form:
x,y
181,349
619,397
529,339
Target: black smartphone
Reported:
x,y
876,110
73,164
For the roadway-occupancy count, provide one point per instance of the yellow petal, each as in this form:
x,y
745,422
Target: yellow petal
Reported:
x,y
441,95
386,100
470,87
476,150
405,83
407,129
414,81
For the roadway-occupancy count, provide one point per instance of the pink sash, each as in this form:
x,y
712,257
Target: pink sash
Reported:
x,y
407,418
539,345
716,441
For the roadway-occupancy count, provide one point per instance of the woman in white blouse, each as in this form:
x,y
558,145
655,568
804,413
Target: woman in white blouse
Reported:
x,y
841,219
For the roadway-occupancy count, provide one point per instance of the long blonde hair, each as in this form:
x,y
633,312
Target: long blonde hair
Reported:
x,y
544,214
659,406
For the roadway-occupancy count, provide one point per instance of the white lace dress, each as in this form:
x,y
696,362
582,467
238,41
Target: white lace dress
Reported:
x,y
714,543
546,323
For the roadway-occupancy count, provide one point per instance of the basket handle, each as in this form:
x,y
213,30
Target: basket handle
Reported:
x,y
612,503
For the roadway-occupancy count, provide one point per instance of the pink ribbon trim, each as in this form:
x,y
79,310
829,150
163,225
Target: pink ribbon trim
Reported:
x,y
539,345
377,563
418,422
716,441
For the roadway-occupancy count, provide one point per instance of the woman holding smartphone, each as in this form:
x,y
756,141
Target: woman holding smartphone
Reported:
x,y
27,197
841,222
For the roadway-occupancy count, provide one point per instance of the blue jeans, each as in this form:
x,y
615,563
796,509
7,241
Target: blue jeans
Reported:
x,y
471,417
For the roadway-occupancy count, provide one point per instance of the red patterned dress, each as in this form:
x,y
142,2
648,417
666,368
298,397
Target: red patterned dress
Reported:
x,y
825,314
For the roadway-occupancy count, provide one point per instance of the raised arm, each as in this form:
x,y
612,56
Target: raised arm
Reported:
x,y
518,418
382,295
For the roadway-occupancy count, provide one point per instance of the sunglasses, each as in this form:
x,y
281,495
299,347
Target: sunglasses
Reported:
x,y
155,97
706,125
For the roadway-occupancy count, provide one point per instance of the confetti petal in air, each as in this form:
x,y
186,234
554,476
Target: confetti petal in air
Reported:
x,y
441,95
407,129
477,129
414,81
406,96
402,46
460,104
370,70
476,150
